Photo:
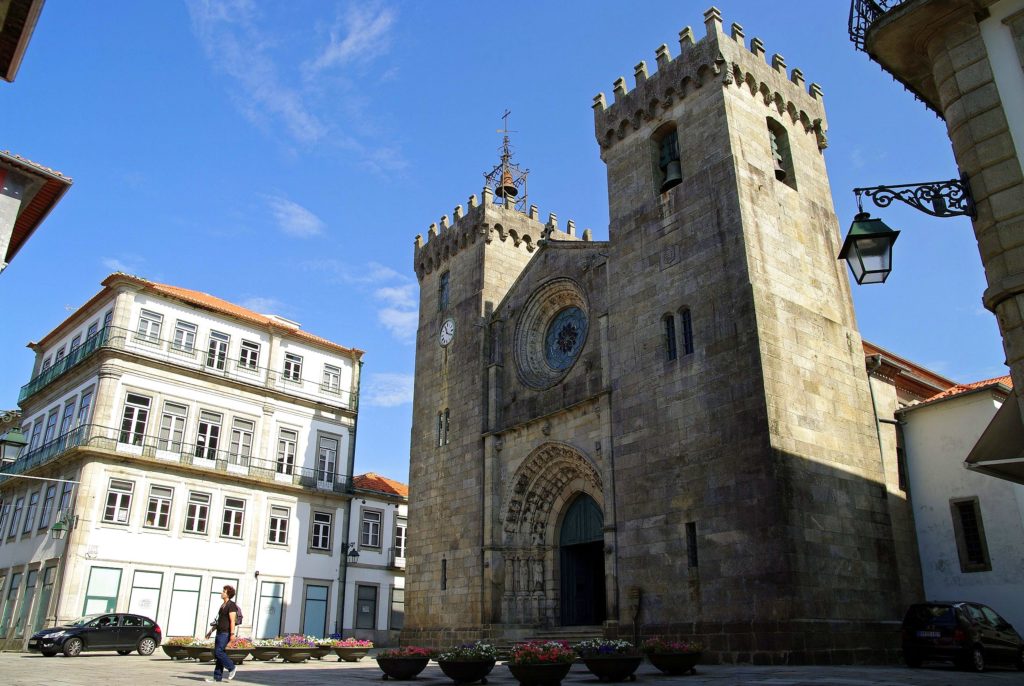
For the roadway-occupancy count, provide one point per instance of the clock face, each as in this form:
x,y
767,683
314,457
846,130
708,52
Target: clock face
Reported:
x,y
447,332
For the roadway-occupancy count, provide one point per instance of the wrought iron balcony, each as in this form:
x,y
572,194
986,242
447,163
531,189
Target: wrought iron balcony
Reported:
x,y
396,558
864,13
190,357
156,451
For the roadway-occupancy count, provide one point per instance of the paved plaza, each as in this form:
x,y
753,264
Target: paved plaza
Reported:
x,y
105,669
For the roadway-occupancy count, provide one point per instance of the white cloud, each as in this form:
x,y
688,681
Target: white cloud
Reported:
x,y
264,305
387,390
403,297
364,34
370,274
294,219
401,324
129,264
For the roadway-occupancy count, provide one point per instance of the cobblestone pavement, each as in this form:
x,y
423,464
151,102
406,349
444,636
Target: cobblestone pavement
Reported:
x,y
104,669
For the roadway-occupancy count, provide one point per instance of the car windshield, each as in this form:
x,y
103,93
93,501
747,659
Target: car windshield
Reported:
x,y
82,621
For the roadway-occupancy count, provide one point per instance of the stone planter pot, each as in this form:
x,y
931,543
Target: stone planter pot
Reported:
x,y
319,652
402,668
550,674
175,652
675,663
295,654
200,653
467,671
613,667
351,654
264,654
237,655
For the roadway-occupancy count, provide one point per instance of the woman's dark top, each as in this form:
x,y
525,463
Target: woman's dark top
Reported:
x,y
223,620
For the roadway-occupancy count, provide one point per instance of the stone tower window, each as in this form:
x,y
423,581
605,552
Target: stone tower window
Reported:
x,y
691,543
442,427
687,326
666,147
442,292
782,158
668,323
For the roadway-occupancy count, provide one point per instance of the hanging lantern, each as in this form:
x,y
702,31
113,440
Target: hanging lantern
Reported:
x,y
868,249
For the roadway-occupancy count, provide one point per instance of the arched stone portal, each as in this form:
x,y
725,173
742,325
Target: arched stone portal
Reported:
x,y
581,563
551,479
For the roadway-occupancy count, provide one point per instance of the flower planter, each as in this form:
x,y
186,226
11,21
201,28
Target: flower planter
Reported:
x,y
675,663
295,654
402,668
541,674
201,653
319,652
264,654
351,654
237,655
613,667
175,652
467,671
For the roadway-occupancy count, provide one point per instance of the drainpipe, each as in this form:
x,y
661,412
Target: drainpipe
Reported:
x,y
339,623
876,362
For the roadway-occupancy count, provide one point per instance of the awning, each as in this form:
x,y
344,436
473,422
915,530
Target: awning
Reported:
x,y
1000,450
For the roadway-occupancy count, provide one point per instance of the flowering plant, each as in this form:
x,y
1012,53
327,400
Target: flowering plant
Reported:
x,y
349,643
267,643
469,652
661,646
297,641
239,643
407,651
601,646
179,641
541,653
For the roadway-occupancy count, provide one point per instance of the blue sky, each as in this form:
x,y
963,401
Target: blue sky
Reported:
x,y
284,155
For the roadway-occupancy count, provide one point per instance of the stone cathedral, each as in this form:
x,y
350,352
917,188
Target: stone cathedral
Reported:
x,y
669,432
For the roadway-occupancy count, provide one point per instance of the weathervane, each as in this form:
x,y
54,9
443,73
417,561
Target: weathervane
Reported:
x,y
507,179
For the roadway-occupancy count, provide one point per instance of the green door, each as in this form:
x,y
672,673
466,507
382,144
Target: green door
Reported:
x,y
581,559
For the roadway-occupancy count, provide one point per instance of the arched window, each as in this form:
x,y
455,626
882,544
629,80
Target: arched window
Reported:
x,y
668,323
686,323
666,152
782,158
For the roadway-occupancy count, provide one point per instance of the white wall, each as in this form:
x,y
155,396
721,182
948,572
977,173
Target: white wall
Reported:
x,y
1006,67
374,567
938,438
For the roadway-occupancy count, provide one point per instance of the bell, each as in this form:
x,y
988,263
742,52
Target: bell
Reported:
x,y
673,176
780,173
507,188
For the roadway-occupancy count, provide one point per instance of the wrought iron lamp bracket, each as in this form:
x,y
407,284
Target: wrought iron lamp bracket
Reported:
x,y
938,198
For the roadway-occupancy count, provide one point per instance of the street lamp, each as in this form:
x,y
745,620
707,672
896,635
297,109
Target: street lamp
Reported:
x,y
868,249
65,522
11,444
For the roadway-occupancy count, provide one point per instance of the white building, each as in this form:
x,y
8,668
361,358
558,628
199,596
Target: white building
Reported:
x,y
202,444
375,580
970,526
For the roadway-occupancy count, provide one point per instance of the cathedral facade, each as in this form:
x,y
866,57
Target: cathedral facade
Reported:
x,y
669,432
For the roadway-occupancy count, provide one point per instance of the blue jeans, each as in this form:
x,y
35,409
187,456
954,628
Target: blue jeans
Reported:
x,y
223,661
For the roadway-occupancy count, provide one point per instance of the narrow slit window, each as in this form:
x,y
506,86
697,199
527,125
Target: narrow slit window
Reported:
x,y
442,292
668,323
444,574
782,158
687,324
691,543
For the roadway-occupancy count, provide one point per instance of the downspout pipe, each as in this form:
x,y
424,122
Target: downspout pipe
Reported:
x,y
339,622
873,366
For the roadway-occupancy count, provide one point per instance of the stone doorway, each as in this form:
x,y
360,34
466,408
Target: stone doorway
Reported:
x,y
581,564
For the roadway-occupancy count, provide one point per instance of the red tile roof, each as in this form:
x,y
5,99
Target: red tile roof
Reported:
x,y
211,302
965,387
32,214
375,482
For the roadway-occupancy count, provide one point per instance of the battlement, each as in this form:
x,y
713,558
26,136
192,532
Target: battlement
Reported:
x,y
717,57
484,219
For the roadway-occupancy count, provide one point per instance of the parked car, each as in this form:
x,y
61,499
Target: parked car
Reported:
x,y
969,634
111,631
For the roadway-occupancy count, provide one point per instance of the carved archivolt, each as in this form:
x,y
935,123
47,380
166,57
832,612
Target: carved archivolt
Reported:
x,y
537,485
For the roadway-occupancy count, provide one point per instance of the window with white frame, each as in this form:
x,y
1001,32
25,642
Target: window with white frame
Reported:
x,y
158,512
241,440
46,516
19,505
172,426
108,319
119,501
197,513
208,435
93,329
59,356
327,459
369,530
5,512
401,523
30,512
134,419
76,343
292,367
249,356
51,427
64,505
234,517
320,538
37,434
286,442
84,406
184,337
46,364
149,326
277,533
217,350
332,379
67,418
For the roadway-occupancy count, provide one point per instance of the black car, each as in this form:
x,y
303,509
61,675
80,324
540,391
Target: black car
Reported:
x,y
113,631
971,635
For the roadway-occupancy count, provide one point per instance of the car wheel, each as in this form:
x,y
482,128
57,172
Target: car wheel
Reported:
x,y
146,646
977,660
124,652
49,653
913,660
72,647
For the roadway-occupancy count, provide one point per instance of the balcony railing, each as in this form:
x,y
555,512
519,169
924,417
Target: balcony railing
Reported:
x,y
154,449
396,558
864,13
190,357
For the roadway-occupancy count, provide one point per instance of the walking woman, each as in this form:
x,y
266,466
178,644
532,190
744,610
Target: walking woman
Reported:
x,y
227,618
